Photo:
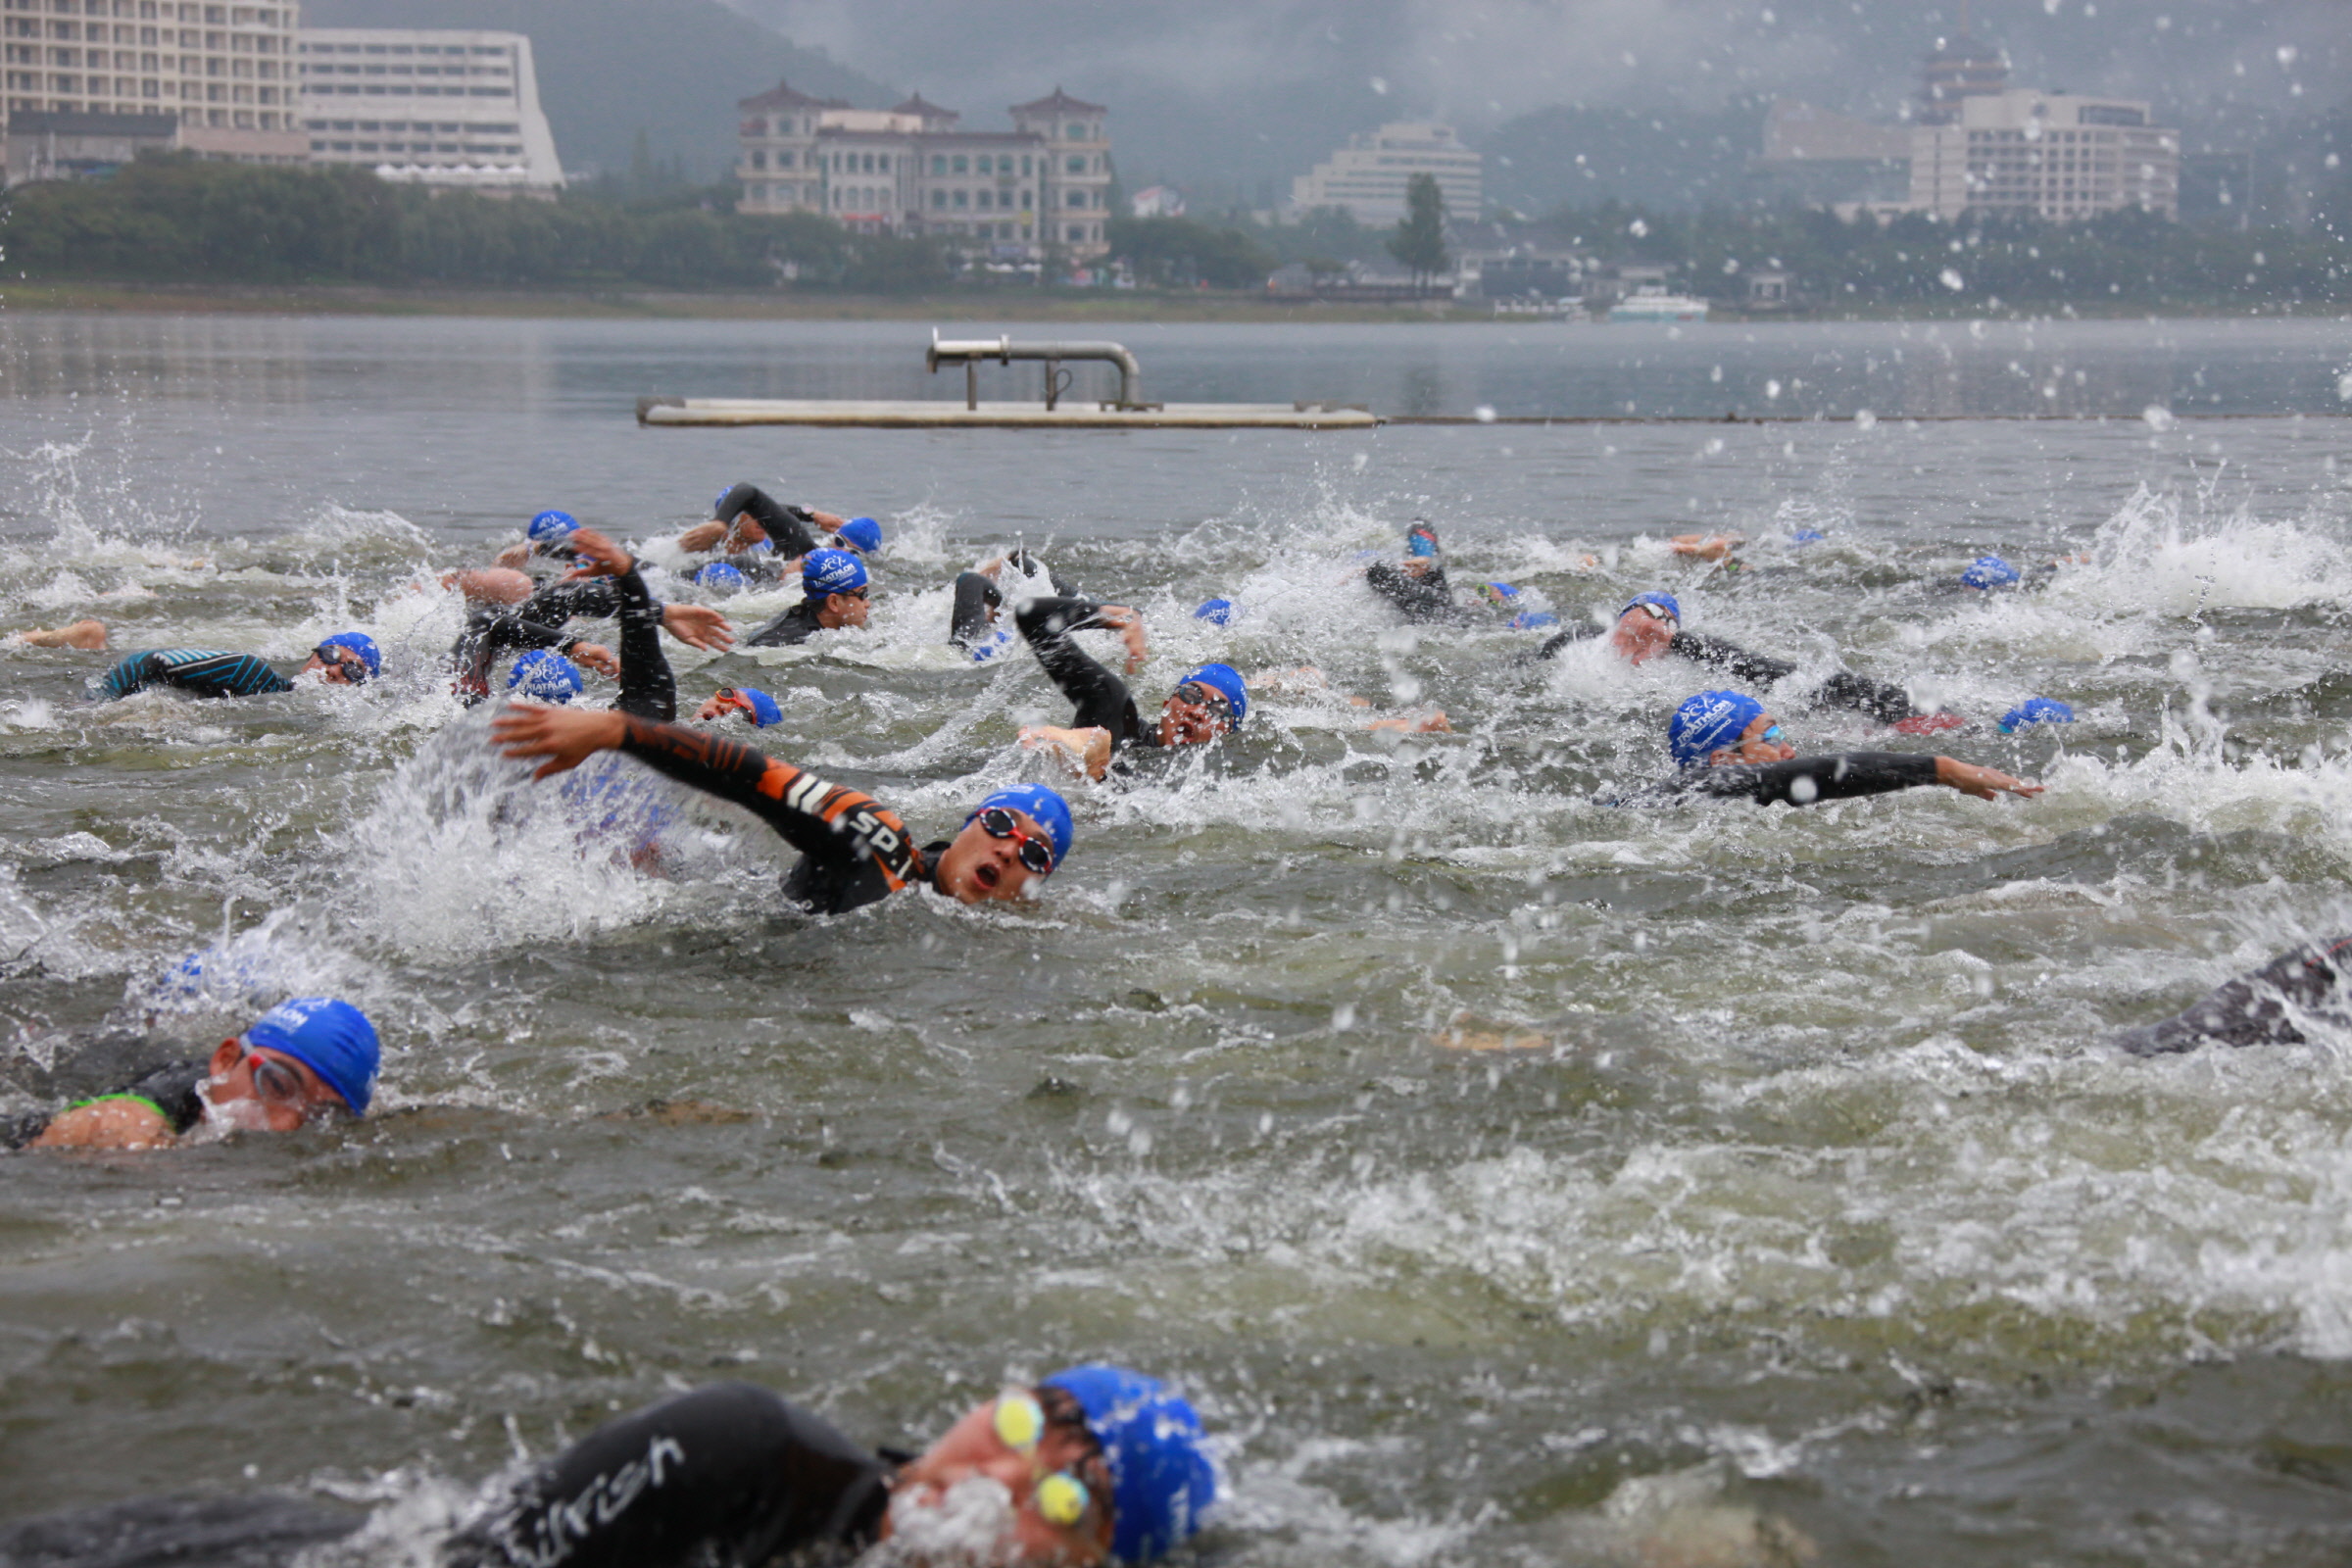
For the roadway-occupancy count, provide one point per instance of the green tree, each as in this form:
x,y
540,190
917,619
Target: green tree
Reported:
x,y
1420,238
1181,253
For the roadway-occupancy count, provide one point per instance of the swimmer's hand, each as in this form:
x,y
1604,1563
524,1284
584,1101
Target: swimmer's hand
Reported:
x,y
704,536
513,557
596,657
1433,724
697,627
1089,748
826,519
566,736
598,557
108,1124
1130,626
1982,782
87,635
490,585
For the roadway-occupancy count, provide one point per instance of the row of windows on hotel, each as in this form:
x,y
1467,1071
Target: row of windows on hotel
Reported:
x,y
880,198
421,129
1075,130
159,11
941,164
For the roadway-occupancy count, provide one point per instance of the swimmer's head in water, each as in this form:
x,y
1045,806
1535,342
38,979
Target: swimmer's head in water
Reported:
x,y
1498,592
301,1057
720,578
1716,721
1991,572
1647,625
2035,710
1420,539
1216,612
862,534
1209,702
1021,1480
825,572
546,675
1014,838
1162,1482
548,531
749,701
347,658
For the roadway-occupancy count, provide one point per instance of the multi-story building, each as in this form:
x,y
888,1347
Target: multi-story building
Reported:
x,y
912,170
1956,69
225,73
433,106
2052,156
1369,174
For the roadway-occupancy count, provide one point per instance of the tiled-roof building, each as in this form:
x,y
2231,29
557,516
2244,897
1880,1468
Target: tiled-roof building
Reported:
x,y
913,170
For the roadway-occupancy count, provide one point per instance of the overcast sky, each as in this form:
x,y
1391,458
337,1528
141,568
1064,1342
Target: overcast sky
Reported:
x,y
1253,89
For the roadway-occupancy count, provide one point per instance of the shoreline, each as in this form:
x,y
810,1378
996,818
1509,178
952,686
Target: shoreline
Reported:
x,y
339,299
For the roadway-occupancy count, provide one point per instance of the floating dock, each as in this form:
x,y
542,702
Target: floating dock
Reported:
x,y
1127,412
940,414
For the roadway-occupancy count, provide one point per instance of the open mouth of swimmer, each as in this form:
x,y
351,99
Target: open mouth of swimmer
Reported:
x,y
988,874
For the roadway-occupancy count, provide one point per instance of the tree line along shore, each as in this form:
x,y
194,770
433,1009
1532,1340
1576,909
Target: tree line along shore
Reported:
x,y
177,233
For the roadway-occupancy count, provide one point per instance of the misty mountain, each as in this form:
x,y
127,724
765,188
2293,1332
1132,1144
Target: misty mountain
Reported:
x,y
609,69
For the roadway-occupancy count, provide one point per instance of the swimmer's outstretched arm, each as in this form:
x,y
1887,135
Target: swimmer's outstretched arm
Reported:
x,y
2255,1010
647,689
1100,696
1849,775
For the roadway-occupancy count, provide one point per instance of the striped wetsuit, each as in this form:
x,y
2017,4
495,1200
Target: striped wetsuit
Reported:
x,y
203,671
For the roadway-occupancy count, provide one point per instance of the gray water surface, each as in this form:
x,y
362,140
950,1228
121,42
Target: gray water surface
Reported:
x,y
1508,1176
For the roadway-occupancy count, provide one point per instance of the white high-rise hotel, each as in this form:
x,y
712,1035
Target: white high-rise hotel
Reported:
x,y
909,171
225,72
432,107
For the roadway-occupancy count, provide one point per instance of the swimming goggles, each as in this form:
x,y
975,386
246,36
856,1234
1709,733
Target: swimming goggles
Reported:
x,y
1062,1498
1656,612
353,666
1035,853
1771,736
276,1083
1192,691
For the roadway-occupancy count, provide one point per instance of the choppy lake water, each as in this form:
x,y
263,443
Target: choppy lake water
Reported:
x,y
1805,1220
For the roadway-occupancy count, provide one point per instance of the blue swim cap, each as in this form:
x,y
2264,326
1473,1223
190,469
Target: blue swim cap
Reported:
x,y
830,572
1807,536
764,710
546,675
1500,591
998,641
1226,681
331,1038
1664,600
1530,619
1706,723
1161,1481
2035,710
548,526
1420,540
1216,612
864,532
1043,807
360,643
1991,572
718,574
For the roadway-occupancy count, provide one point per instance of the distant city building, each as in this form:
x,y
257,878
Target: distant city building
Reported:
x,y
427,106
911,170
1955,71
1367,176
1821,159
2052,156
223,73
1157,201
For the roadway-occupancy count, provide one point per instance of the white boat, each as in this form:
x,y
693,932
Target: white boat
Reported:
x,y
1651,303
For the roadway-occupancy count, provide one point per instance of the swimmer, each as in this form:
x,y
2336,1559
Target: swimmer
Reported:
x,y
1725,745
1209,702
1090,1465
1714,547
1417,585
86,634
748,524
757,708
2307,985
834,594
972,617
853,849
303,1060
546,537
606,584
347,658
489,585
1988,574
1650,625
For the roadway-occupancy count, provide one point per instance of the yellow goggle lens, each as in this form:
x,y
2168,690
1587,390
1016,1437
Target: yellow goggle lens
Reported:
x,y
1020,1422
1061,1499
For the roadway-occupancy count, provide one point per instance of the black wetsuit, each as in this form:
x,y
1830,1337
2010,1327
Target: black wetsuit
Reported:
x,y
647,689
1423,598
853,849
1883,701
116,1067
789,528
728,1476
790,630
1102,698
2260,1008
1800,781
202,671
969,622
